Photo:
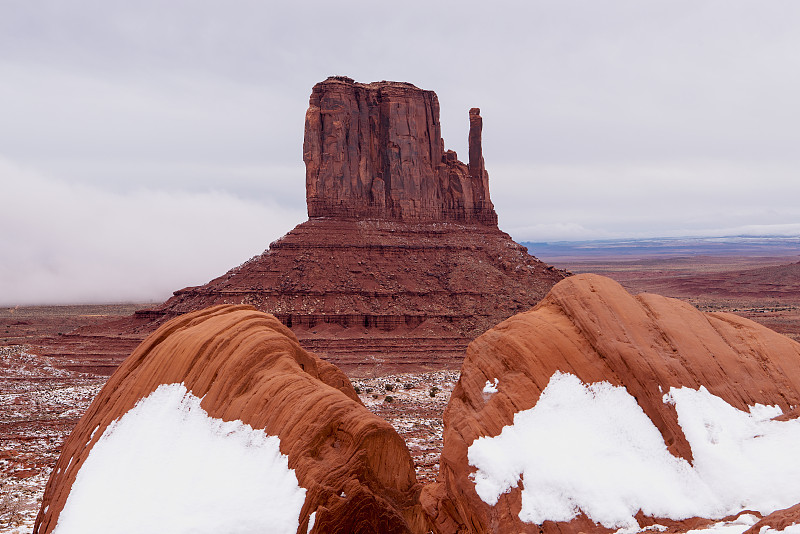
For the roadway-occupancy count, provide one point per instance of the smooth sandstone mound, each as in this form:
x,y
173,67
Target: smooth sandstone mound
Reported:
x,y
591,329
245,365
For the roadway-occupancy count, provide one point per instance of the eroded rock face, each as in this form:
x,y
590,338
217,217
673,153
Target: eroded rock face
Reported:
x,y
590,327
245,365
401,264
412,294
376,151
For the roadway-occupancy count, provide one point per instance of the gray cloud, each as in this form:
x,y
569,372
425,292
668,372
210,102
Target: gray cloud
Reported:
x,y
68,243
601,119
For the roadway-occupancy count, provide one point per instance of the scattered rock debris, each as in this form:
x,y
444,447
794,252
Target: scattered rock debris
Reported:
x,y
413,412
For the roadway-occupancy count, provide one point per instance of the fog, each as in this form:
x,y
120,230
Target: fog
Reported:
x,y
67,243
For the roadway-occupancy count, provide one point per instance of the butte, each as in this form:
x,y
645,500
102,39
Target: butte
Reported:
x,y
401,262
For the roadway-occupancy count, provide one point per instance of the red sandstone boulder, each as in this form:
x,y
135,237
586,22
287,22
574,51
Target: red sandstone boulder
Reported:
x,y
591,335
243,365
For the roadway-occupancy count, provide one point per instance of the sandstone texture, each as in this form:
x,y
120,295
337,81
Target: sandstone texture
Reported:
x,y
246,365
400,265
589,326
376,151
359,292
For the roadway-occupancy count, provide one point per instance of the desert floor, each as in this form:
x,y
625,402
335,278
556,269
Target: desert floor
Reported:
x,y
40,402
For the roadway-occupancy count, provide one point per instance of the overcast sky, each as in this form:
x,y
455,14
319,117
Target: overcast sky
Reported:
x,y
150,145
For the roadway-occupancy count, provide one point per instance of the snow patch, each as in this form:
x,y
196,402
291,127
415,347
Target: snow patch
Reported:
x,y
794,528
737,526
745,457
489,387
591,448
167,466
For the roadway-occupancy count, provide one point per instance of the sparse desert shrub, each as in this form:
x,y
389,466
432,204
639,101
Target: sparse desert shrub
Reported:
x,y
358,390
389,387
388,398
434,390
408,385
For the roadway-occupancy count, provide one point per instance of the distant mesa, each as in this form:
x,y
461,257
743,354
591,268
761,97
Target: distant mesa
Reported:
x,y
401,262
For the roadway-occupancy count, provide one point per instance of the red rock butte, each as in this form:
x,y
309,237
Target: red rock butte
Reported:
x,y
401,263
376,151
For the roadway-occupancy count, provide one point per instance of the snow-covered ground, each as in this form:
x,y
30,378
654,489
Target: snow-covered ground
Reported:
x,y
39,405
413,403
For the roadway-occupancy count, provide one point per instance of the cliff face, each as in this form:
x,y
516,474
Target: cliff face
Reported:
x,y
376,151
414,293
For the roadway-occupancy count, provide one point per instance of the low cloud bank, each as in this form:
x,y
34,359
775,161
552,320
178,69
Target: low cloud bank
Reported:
x,y
66,243
610,201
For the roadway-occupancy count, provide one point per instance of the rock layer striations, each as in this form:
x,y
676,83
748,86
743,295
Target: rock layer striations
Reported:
x,y
381,292
246,366
376,151
357,473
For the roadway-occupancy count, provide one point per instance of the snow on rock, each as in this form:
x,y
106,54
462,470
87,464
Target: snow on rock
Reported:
x,y
248,371
786,520
144,469
490,387
791,529
747,458
604,457
606,348
736,526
